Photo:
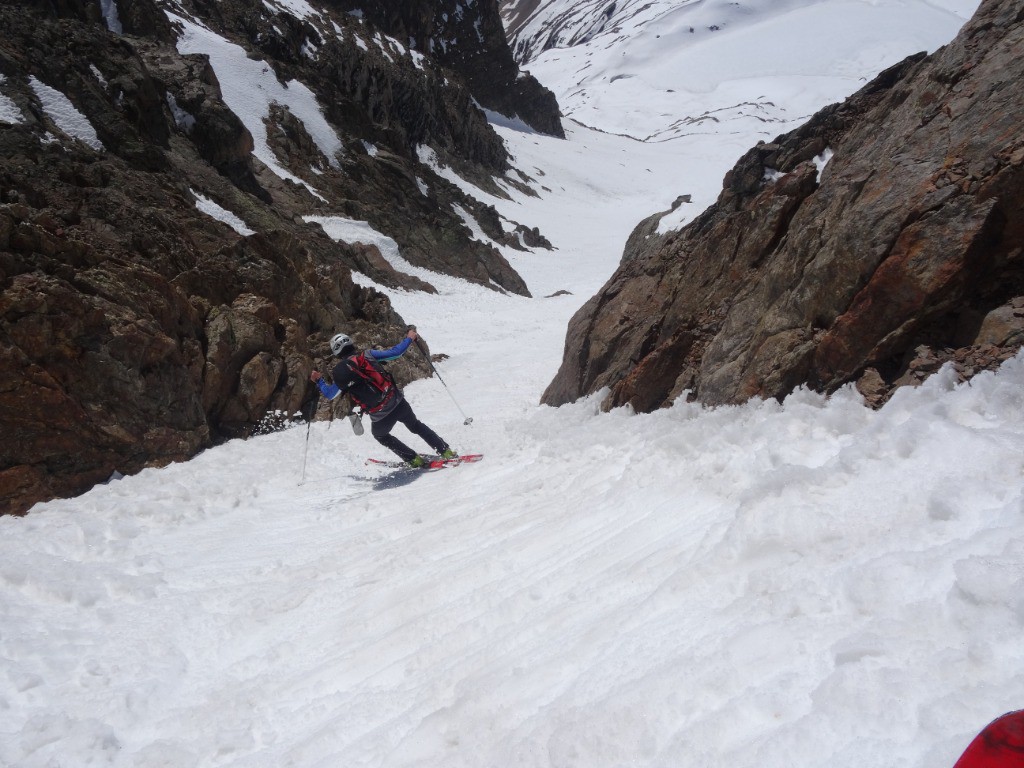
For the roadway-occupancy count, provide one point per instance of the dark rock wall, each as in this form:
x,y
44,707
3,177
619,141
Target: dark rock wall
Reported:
x,y
135,331
889,265
468,36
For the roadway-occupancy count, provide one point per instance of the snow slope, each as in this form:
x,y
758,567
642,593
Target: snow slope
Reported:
x,y
64,114
804,584
710,78
662,69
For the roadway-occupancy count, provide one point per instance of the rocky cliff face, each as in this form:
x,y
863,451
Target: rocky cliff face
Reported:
x,y
904,252
468,36
137,325
534,26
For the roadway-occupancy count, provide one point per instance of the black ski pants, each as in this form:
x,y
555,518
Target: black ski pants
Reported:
x,y
381,430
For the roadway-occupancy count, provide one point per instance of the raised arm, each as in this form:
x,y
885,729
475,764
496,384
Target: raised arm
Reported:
x,y
396,351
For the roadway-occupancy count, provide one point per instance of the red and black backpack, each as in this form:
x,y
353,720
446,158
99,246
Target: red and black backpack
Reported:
x,y
379,382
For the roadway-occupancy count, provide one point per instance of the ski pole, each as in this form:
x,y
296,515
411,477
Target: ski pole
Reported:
x,y
468,419
309,423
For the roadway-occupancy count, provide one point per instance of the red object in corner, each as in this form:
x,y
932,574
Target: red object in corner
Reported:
x,y
1000,745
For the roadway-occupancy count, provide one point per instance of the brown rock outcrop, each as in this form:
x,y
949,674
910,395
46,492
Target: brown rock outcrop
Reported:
x,y
912,232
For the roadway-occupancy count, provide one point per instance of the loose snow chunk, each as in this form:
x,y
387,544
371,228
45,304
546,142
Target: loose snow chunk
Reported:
x,y
60,109
397,45
416,57
683,214
210,208
303,104
371,149
109,10
383,48
772,175
472,224
298,8
428,157
182,118
822,160
98,75
353,231
9,111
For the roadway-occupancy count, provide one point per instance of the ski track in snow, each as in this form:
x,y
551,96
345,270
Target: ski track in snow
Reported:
x,y
802,584
763,571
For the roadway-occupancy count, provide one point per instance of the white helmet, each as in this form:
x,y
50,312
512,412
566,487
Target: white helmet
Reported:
x,y
339,342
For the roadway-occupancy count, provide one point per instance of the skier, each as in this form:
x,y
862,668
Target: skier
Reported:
x,y
374,390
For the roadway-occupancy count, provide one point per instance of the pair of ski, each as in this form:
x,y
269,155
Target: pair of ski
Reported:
x,y
429,462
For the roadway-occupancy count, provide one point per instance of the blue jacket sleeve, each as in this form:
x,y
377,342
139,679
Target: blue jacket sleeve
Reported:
x,y
390,354
330,391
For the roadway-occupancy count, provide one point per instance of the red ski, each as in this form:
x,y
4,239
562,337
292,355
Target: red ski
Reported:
x,y
466,459
999,745
430,462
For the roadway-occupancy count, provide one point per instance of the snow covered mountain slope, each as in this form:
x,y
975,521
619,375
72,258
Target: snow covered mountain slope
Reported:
x,y
668,68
